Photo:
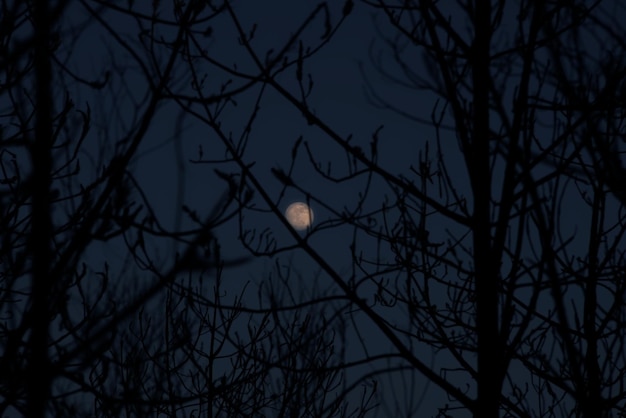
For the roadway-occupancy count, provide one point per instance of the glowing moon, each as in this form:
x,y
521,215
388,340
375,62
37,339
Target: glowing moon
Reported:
x,y
299,215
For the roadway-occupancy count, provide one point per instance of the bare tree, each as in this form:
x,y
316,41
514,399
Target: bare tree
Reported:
x,y
95,319
487,277
501,247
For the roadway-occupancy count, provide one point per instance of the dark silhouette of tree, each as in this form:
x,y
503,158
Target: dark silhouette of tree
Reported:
x,y
486,278
501,248
96,321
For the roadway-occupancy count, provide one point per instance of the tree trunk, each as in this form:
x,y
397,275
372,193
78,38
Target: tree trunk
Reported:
x,y
486,273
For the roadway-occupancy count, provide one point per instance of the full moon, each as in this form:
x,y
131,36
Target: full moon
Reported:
x,y
299,215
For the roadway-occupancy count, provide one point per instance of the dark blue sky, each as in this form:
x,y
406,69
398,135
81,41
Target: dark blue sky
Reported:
x,y
169,175
339,98
166,175
163,163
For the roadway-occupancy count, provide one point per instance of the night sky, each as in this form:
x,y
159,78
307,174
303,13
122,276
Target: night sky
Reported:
x,y
340,71
166,169
181,165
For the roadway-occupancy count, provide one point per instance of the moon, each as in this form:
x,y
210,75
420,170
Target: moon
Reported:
x,y
299,215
